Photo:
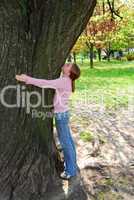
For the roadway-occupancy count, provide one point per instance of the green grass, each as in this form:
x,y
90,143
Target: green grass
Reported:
x,y
111,81
86,136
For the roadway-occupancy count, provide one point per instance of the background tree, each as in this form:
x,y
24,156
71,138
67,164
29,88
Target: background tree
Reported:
x,y
124,37
100,30
98,34
35,38
79,47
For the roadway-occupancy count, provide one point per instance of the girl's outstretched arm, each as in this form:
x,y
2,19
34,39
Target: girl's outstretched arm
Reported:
x,y
43,83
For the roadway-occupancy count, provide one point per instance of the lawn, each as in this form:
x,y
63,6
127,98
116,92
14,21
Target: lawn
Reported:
x,y
109,83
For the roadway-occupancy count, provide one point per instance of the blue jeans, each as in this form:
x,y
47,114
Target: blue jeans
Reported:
x,y
66,141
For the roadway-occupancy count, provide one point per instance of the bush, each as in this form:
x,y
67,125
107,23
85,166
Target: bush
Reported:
x,y
130,56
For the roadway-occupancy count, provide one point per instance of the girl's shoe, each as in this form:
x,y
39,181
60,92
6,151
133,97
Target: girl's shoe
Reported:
x,y
65,176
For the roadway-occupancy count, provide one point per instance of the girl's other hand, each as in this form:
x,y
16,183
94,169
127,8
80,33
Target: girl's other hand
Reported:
x,y
21,77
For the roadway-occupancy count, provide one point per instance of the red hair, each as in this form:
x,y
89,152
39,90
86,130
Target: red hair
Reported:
x,y
74,74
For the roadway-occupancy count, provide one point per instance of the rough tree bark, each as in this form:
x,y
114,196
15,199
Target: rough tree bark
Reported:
x,y
35,38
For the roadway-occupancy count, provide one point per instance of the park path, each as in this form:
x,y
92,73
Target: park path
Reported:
x,y
106,162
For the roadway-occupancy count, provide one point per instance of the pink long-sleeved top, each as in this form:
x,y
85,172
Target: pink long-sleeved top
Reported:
x,y
62,86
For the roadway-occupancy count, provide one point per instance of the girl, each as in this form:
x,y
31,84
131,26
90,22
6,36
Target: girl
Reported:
x,y
64,86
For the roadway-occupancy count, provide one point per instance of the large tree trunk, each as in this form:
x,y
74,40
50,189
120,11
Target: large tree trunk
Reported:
x,y
35,38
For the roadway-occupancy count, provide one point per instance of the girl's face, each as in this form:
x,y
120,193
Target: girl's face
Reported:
x,y
66,68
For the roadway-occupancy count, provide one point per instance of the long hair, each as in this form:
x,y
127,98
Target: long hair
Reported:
x,y
74,74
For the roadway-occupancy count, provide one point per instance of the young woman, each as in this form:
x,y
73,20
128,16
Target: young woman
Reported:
x,y
64,86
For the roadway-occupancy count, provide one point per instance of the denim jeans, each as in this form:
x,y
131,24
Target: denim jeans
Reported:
x,y
66,142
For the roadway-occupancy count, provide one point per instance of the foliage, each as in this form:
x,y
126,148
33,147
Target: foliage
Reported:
x,y
106,33
80,45
124,37
130,56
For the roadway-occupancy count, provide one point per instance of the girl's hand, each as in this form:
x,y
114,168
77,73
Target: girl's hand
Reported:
x,y
21,77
